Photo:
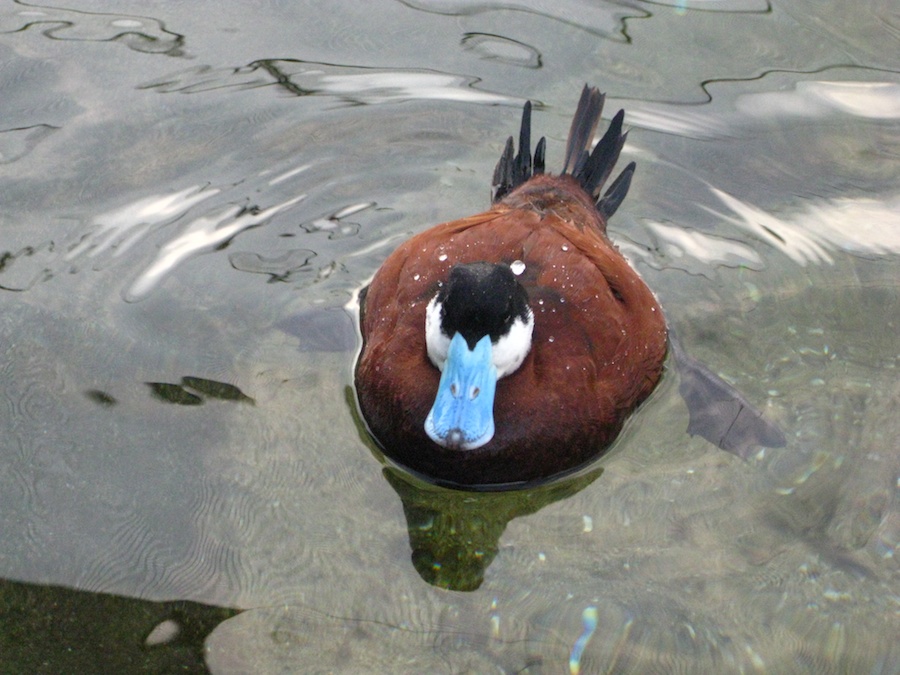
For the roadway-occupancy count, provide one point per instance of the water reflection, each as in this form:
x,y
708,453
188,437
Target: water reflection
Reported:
x,y
858,225
502,49
352,84
455,534
118,231
140,33
282,268
872,100
16,143
603,19
782,100
682,6
203,234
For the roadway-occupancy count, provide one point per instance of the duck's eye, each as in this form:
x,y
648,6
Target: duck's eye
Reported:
x,y
473,394
453,389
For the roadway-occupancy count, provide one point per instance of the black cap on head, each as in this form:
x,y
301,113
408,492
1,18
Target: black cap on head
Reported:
x,y
481,299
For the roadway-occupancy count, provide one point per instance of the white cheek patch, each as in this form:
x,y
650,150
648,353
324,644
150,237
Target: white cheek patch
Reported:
x,y
511,349
437,343
507,353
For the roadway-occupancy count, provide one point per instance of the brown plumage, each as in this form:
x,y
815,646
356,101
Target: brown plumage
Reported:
x,y
599,337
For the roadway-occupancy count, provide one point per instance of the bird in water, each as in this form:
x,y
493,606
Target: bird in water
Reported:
x,y
509,347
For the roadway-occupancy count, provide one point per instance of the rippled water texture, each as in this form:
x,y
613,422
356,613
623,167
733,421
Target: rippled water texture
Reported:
x,y
192,195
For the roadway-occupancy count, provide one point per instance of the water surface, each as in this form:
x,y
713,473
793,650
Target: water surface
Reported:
x,y
192,196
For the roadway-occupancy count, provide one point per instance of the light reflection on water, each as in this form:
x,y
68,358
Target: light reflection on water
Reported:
x,y
241,218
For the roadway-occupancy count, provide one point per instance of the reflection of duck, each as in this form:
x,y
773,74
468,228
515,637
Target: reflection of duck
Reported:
x,y
455,535
511,345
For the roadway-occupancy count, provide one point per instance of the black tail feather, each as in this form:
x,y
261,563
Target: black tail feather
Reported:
x,y
611,201
539,153
512,170
503,172
584,125
590,169
523,159
602,160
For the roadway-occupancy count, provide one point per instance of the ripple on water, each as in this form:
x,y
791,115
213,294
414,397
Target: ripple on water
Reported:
x,y
201,235
337,643
335,223
117,231
204,561
140,33
741,6
285,267
604,19
351,84
16,143
30,400
505,50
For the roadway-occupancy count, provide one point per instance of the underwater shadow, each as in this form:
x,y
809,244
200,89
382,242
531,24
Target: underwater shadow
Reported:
x,y
52,629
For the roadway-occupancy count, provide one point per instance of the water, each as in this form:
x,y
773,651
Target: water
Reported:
x,y
190,198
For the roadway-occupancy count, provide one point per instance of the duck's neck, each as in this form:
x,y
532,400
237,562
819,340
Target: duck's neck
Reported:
x,y
560,195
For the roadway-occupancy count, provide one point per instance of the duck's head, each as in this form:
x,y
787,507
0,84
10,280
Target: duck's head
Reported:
x,y
477,329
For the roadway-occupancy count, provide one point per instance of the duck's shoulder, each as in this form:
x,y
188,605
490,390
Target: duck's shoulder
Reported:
x,y
568,232
424,260
411,273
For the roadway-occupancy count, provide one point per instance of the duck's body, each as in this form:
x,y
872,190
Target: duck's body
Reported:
x,y
598,336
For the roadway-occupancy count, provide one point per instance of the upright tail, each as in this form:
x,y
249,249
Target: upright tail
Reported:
x,y
590,169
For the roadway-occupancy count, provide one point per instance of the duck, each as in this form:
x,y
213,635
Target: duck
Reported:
x,y
509,347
